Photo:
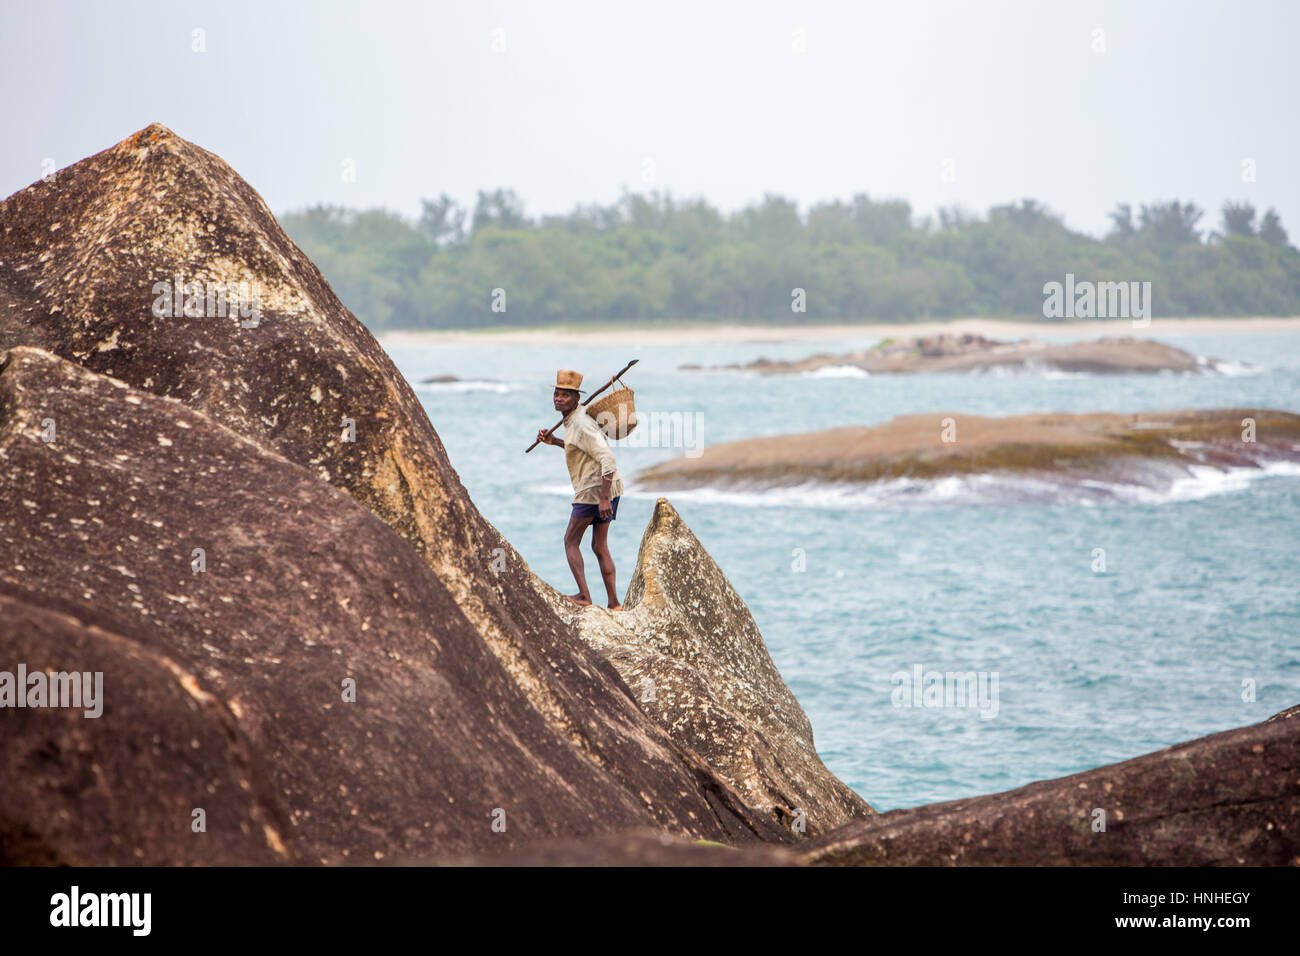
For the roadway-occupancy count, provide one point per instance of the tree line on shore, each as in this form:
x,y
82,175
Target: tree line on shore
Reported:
x,y
653,257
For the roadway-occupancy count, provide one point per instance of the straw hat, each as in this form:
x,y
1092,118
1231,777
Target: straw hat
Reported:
x,y
565,378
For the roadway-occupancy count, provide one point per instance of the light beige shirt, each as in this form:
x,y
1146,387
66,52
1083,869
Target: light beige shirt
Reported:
x,y
587,454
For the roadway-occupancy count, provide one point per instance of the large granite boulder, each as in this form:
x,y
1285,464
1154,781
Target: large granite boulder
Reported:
x,y
689,648
81,259
1230,799
632,848
305,679
122,787
118,262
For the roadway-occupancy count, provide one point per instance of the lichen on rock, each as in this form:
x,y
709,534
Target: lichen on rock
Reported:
x,y
696,662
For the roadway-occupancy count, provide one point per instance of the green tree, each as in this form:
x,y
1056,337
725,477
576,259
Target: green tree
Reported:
x,y
1238,219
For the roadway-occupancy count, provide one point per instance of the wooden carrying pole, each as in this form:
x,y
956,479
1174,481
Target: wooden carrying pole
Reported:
x,y
616,377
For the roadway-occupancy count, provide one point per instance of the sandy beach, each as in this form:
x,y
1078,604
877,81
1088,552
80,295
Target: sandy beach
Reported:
x,y
698,333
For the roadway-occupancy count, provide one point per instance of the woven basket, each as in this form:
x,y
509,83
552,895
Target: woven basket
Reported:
x,y
615,413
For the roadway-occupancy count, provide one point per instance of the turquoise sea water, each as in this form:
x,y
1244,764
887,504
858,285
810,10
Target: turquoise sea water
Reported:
x,y
1200,591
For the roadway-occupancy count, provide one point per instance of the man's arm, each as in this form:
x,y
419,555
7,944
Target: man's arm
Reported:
x,y
542,436
604,508
600,450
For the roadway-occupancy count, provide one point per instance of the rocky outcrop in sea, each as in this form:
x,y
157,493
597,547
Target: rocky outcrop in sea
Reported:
x,y
967,352
1093,451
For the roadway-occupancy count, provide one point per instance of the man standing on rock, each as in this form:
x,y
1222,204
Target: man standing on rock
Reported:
x,y
597,486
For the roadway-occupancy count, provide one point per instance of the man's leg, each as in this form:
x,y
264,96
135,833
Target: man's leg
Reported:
x,y
600,546
573,551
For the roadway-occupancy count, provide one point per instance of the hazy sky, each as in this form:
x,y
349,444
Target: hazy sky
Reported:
x,y
579,101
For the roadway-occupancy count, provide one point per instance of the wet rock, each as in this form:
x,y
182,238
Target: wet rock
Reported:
x,y
689,648
230,684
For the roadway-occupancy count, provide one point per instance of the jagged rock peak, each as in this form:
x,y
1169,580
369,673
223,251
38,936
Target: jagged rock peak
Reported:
x,y
691,652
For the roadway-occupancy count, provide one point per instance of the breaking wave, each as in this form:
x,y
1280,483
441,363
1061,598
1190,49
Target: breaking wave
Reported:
x,y
1027,369
1236,369
839,371
996,488
471,385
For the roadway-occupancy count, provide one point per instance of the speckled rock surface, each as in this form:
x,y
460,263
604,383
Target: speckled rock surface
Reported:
x,y
302,589
1230,799
80,256
689,648
121,788
1289,714
81,259
636,848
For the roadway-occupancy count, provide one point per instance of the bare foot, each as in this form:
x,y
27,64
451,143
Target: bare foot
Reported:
x,y
579,599
616,607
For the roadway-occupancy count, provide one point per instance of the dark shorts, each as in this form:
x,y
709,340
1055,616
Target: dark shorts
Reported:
x,y
593,511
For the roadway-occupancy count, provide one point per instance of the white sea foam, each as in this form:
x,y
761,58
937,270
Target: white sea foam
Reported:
x,y
995,488
552,489
839,371
1236,369
471,385
1030,368
1033,368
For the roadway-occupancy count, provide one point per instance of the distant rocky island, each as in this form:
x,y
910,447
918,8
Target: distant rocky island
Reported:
x,y
1143,448
967,352
311,638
